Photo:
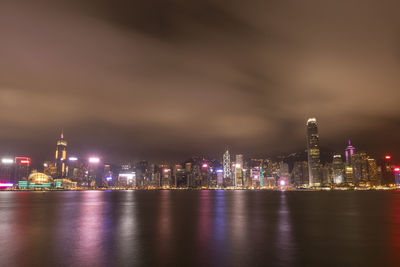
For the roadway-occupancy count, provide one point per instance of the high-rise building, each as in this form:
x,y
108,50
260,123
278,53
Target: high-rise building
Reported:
x,y
227,165
239,170
338,169
300,173
360,168
349,153
220,178
7,171
204,175
60,157
349,175
166,177
373,172
313,152
22,168
387,171
327,174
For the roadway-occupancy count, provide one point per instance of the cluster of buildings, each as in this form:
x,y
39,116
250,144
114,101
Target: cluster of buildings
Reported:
x,y
356,169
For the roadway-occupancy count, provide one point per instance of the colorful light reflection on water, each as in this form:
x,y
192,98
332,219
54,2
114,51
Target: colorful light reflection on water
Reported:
x,y
199,228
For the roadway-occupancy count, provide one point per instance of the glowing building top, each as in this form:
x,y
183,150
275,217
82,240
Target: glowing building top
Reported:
x,y
349,153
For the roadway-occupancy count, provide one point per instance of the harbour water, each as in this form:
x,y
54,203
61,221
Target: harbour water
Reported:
x,y
200,228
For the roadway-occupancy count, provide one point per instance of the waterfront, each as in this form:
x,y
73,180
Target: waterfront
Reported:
x,y
200,228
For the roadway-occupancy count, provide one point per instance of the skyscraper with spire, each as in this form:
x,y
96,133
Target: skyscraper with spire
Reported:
x,y
313,151
60,157
349,153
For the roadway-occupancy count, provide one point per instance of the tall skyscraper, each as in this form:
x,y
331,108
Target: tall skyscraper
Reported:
x,y
239,170
22,168
61,156
300,173
373,172
338,169
360,168
313,152
261,176
227,165
349,153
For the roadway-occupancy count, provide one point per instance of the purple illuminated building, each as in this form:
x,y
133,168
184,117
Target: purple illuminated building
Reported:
x,y
349,153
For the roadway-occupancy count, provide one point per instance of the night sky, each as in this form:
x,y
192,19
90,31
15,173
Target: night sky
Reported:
x,y
167,79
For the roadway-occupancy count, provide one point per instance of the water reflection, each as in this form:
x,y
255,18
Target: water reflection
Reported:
x,y
238,228
89,244
164,227
205,230
127,230
8,227
219,221
285,245
394,230
199,228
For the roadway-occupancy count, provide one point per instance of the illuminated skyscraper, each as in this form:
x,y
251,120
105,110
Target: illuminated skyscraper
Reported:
x,y
338,169
227,165
360,168
300,173
22,168
349,153
349,175
313,152
261,176
387,171
7,171
372,172
239,170
61,156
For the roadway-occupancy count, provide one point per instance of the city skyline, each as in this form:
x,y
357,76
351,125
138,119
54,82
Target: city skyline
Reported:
x,y
171,160
235,171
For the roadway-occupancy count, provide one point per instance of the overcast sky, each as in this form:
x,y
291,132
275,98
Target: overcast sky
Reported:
x,y
170,78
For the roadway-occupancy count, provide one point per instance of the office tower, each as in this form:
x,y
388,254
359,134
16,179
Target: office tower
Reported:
x,y
283,169
349,175
313,153
349,153
142,174
359,162
397,176
179,176
300,173
204,175
387,171
220,178
22,168
338,169
239,170
227,165
107,175
7,171
261,176
166,177
373,172
255,176
60,157
327,174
